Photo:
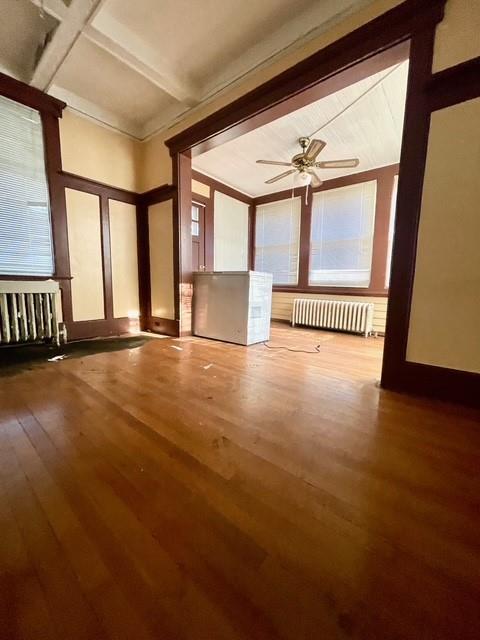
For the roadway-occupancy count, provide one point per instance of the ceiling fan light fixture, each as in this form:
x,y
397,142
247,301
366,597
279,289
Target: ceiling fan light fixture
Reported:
x,y
305,177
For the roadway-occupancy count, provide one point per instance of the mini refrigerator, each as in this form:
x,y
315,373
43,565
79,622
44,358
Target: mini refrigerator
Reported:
x,y
233,306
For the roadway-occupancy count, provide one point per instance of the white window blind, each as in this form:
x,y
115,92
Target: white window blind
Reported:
x,y
277,234
342,236
391,228
25,232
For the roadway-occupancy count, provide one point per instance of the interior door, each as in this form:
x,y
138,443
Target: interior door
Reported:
x,y
198,237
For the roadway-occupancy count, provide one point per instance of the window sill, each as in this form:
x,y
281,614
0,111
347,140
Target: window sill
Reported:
x,y
39,278
340,291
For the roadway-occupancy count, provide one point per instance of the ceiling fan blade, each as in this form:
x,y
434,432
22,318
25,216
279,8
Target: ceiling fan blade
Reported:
x,y
316,182
338,164
314,149
282,175
282,164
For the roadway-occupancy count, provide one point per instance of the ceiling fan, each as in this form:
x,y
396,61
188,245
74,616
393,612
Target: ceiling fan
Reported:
x,y
305,163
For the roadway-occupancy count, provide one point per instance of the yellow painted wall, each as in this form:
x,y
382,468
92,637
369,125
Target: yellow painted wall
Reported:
x,y
123,241
93,151
458,35
84,241
200,188
445,316
230,233
161,259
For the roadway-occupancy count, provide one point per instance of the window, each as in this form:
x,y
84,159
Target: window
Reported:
x,y
195,220
342,236
391,228
25,233
277,234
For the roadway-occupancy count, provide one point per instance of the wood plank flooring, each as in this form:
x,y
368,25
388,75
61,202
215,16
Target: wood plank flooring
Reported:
x,y
272,495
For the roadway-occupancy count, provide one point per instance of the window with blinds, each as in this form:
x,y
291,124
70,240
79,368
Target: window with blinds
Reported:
x,y
25,230
391,228
342,236
277,235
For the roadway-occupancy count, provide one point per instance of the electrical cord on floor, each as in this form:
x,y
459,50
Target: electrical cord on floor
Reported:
x,y
316,348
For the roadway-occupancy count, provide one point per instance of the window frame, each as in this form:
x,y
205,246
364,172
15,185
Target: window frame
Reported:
x,y
384,177
50,110
288,203
21,113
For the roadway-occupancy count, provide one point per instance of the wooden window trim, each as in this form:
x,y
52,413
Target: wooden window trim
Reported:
x,y
384,178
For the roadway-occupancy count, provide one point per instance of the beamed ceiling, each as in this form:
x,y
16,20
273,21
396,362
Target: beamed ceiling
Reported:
x,y
140,66
365,122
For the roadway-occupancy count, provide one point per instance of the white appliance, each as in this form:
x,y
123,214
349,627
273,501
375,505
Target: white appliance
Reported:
x,y
233,306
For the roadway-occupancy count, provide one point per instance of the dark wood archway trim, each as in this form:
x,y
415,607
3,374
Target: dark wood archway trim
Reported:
x,y
389,29
413,20
30,96
455,84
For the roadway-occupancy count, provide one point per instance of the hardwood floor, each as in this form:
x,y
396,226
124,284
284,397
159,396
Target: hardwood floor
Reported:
x,y
145,494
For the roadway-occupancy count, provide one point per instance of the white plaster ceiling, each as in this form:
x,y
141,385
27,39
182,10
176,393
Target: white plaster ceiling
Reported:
x,y
370,129
140,66
22,32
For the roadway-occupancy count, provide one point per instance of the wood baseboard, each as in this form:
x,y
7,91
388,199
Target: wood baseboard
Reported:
x,y
101,328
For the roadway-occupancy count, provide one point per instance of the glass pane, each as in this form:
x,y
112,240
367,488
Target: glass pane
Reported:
x,y
195,228
25,233
342,236
195,213
277,235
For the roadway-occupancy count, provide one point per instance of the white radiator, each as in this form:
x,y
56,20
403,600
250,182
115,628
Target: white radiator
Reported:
x,y
29,312
356,317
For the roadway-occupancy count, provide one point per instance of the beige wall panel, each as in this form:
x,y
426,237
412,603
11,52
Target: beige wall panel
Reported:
x,y
458,35
123,240
282,306
95,152
445,313
85,248
161,259
200,188
230,233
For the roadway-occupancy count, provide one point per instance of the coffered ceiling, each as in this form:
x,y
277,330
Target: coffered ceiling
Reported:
x,y
140,66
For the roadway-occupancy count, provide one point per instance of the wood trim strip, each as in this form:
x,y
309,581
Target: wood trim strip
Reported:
x,y
215,185
79,183
106,257
305,232
334,291
58,210
337,82
144,276
251,237
392,27
83,329
384,178
182,234
451,385
409,199
209,231
30,96
33,278
163,325
156,195
455,84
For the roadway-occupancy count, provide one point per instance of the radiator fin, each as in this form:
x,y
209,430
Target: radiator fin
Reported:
x,y
28,317
356,317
